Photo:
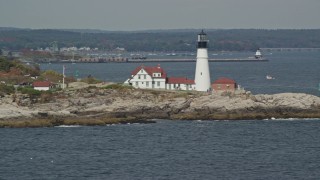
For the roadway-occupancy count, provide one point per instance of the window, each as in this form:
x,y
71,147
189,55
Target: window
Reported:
x,y
147,84
158,84
145,76
137,84
142,70
139,77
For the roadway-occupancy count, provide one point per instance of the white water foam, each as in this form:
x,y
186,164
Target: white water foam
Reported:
x,y
68,126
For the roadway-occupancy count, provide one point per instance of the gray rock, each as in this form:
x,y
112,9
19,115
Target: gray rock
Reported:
x,y
166,104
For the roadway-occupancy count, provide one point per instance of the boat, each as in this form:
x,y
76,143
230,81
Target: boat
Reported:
x,y
258,54
269,77
171,54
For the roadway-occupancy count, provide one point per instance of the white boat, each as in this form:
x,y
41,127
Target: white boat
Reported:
x,y
269,77
258,54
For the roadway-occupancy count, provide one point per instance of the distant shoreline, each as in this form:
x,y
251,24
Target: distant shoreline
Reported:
x,y
193,60
160,60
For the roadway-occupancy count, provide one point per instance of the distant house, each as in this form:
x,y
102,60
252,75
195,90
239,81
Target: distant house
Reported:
x,y
156,78
42,85
224,84
148,78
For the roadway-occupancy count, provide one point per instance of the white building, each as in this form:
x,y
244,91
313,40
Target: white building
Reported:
x,y
156,78
42,85
180,83
202,75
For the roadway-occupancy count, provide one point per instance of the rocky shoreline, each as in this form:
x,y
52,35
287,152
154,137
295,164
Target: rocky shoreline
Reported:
x,y
109,105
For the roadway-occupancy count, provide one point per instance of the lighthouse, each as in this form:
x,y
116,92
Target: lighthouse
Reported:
x,y
202,76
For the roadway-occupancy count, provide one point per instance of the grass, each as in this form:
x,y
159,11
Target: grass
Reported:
x,y
117,87
5,89
184,94
91,80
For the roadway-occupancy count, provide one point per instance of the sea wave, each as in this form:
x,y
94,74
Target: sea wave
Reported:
x,y
68,126
291,119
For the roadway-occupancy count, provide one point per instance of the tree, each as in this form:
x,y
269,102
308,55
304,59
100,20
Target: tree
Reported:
x,y
51,75
5,65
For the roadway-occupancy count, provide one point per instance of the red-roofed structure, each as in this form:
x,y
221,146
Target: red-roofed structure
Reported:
x,y
224,80
180,83
179,80
156,78
224,84
42,85
148,78
152,71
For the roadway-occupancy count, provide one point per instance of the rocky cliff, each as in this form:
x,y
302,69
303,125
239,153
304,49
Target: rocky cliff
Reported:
x,y
92,102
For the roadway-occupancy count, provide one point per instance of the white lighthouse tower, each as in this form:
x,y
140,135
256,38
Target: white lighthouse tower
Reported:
x,y
202,76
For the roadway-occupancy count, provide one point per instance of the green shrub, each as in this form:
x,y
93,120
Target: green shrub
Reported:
x,y
118,86
30,91
5,65
6,89
51,75
182,94
91,80
46,96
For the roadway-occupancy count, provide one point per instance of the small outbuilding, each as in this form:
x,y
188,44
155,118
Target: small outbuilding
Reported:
x,y
224,84
180,83
42,85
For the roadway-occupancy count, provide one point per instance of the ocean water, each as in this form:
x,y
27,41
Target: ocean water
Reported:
x,y
293,71
255,149
265,149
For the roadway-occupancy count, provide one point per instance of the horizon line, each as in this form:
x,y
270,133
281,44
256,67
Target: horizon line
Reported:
x,y
143,30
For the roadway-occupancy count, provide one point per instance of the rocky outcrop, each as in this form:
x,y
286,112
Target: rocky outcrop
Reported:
x,y
93,102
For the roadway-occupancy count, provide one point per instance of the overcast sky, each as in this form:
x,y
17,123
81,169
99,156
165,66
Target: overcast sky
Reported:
x,y
160,14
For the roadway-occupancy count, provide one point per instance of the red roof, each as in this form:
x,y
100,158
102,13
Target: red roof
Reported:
x,y
179,80
151,70
41,84
224,80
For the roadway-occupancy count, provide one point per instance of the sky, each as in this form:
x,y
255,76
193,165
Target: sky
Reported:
x,y
128,15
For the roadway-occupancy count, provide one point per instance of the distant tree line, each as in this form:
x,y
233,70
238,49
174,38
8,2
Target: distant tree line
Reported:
x,y
163,40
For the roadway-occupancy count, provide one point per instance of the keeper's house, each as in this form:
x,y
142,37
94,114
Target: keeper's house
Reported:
x,y
156,78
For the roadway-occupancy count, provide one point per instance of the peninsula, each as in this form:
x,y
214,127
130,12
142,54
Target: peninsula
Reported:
x,y
101,104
